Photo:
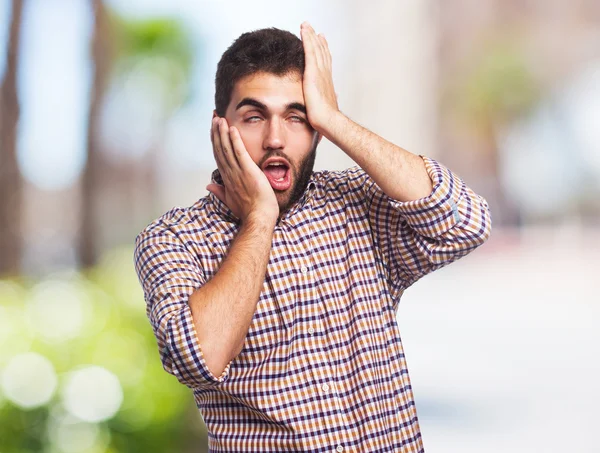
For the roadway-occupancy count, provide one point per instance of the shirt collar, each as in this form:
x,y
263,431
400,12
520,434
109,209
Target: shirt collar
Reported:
x,y
291,217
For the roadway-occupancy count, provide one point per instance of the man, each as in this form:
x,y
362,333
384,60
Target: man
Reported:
x,y
274,297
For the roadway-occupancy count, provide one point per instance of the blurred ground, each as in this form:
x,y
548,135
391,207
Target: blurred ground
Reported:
x,y
503,345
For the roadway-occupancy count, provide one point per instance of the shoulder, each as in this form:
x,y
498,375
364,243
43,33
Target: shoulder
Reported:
x,y
178,223
337,178
347,182
166,249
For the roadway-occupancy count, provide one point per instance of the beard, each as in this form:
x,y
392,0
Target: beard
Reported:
x,y
300,176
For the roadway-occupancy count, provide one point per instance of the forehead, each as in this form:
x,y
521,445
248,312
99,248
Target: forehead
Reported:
x,y
272,90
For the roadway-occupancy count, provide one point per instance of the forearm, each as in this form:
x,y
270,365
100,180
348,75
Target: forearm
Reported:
x,y
223,308
400,173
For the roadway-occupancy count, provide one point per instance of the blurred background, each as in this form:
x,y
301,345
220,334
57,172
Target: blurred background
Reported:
x,y
105,110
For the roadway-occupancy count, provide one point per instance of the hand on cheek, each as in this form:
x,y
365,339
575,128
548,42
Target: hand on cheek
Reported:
x,y
246,189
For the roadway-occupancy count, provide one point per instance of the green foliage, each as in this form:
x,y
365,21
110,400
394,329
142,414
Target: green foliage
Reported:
x,y
22,431
157,413
152,37
496,84
160,47
501,85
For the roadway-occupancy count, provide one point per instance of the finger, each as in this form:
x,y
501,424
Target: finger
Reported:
x,y
226,148
223,163
212,129
325,47
317,47
241,153
236,142
226,143
215,139
306,43
220,157
310,45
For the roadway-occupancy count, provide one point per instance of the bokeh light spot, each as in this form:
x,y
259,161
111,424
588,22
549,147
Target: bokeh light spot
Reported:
x,y
29,380
92,394
56,310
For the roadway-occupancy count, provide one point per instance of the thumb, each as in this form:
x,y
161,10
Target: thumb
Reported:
x,y
218,190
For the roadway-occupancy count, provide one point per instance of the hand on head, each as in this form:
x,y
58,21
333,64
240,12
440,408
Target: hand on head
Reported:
x,y
319,92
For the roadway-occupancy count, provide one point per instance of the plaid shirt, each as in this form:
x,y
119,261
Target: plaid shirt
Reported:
x,y
322,368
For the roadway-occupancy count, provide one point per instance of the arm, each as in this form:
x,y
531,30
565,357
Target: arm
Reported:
x,y
422,215
200,326
222,309
417,237
399,173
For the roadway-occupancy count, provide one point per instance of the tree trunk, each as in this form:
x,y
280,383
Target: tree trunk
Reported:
x,y
91,177
11,185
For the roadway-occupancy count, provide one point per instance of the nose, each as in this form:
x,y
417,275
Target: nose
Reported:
x,y
275,135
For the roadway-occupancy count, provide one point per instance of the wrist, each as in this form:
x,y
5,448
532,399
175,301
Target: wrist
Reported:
x,y
260,220
331,123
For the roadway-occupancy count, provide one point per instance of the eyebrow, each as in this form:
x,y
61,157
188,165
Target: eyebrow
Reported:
x,y
259,105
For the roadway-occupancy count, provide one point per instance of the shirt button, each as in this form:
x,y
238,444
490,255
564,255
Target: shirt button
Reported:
x,y
311,330
325,387
340,448
304,270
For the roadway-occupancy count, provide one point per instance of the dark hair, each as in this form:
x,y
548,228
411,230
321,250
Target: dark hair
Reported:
x,y
268,50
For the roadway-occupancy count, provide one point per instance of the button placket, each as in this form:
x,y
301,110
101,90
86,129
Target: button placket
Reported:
x,y
327,390
304,269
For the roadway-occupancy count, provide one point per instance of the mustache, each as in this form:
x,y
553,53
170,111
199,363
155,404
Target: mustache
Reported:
x,y
274,153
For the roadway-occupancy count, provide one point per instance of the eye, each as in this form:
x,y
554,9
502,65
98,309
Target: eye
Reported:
x,y
253,119
297,119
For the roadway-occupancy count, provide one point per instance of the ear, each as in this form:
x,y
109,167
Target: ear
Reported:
x,y
215,114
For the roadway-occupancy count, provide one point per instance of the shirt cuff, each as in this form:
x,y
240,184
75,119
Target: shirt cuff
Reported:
x,y
184,350
435,214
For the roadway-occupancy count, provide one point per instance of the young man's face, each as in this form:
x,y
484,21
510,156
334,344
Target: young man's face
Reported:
x,y
269,112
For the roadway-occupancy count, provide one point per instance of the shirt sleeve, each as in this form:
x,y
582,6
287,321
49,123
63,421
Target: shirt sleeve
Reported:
x,y
417,237
169,274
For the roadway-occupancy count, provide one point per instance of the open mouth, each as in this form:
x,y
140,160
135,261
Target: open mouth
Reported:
x,y
278,173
